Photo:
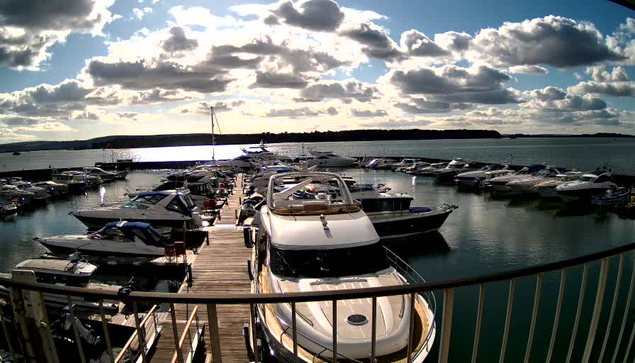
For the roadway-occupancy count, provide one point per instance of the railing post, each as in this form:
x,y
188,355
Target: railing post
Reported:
x,y
479,318
334,331
104,324
597,309
214,336
294,331
534,316
373,334
578,313
78,338
141,336
175,331
556,318
446,325
411,326
7,335
626,310
508,318
252,319
618,284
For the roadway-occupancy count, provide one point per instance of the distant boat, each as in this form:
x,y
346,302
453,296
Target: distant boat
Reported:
x,y
16,153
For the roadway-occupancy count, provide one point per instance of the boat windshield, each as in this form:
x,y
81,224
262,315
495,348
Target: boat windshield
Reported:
x,y
310,196
586,178
328,263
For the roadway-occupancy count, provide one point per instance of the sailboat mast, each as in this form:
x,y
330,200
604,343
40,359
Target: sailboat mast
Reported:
x,y
213,139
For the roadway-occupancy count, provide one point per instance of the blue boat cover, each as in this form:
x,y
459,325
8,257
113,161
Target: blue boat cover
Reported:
x,y
124,225
419,209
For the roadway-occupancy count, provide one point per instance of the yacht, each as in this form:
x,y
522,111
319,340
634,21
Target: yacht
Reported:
x,y
327,159
261,153
7,207
16,195
499,183
161,209
307,245
105,176
476,177
76,182
201,191
428,170
124,240
393,218
380,164
416,166
589,184
527,185
53,188
40,195
547,189
404,164
455,167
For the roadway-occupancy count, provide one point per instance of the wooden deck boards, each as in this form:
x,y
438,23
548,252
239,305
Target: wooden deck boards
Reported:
x,y
220,267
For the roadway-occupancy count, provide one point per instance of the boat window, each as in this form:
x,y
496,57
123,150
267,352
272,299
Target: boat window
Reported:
x,y
176,205
328,263
187,200
149,198
602,179
586,178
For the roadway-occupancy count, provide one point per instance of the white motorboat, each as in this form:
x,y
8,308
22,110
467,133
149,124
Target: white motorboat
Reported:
x,y
527,185
499,183
454,167
260,180
161,209
105,176
307,245
327,159
586,186
53,188
40,195
16,195
476,177
428,170
7,207
75,181
547,188
404,164
416,166
122,240
380,164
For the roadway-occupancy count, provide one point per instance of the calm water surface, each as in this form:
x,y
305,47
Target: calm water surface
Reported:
x,y
580,153
484,235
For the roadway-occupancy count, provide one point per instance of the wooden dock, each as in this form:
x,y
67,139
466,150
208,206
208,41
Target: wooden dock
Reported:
x,y
220,267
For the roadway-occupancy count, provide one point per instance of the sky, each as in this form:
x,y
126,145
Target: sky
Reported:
x,y
78,69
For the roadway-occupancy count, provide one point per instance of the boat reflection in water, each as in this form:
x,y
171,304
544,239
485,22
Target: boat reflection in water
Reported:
x,y
327,243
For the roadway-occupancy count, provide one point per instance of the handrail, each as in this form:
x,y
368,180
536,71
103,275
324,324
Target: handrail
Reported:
x,y
134,334
185,332
231,299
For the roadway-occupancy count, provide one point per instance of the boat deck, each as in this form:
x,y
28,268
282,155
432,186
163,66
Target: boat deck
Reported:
x,y
220,267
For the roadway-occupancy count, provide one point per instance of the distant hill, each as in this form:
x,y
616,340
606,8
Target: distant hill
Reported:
x,y
600,134
125,142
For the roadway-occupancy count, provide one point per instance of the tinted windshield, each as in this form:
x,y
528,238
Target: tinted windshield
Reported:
x,y
328,263
586,178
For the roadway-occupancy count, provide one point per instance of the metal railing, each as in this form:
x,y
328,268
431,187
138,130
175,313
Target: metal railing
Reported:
x,y
146,331
616,341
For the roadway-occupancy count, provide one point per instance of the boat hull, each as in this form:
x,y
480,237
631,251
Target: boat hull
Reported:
x,y
98,222
410,224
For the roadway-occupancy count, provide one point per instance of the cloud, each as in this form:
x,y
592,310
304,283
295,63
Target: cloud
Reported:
x,y
397,124
278,80
375,38
203,108
368,113
600,74
347,89
155,96
528,70
558,100
553,40
142,75
447,79
423,106
454,41
418,44
300,112
317,15
140,13
617,89
178,41
28,28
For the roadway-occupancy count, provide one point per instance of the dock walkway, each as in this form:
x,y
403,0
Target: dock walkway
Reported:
x,y
220,267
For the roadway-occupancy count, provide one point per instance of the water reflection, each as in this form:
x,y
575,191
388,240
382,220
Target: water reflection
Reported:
x,y
432,243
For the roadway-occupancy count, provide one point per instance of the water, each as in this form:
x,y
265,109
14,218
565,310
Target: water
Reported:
x,y
580,153
484,235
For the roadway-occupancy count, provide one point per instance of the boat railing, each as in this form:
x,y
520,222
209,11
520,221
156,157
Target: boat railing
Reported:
x,y
139,343
598,305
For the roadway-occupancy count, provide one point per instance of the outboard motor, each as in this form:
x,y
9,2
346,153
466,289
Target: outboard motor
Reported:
x,y
62,327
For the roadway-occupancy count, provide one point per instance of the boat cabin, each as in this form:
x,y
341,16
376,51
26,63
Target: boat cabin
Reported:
x,y
54,271
131,232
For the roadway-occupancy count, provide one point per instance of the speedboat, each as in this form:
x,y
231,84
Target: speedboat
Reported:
x,y
201,191
380,164
526,185
587,185
404,164
106,176
499,183
476,177
612,197
129,240
261,153
260,180
16,195
428,170
327,159
547,189
74,272
455,167
7,207
416,166
393,218
161,209
327,244
53,188
40,195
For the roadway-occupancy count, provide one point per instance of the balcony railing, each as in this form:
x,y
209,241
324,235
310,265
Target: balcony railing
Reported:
x,y
605,316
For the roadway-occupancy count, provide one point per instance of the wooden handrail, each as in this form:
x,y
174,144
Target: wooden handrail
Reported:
x,y
134,334
187,328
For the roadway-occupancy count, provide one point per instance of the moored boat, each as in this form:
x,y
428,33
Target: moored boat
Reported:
x,y
588,185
